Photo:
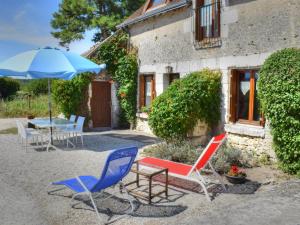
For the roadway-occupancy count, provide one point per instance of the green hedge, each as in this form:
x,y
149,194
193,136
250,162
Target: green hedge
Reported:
x,y
176,111
279,92
8,87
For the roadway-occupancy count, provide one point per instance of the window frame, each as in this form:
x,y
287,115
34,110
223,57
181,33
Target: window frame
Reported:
x,y
149,7
142,93
173,76
199,33
234,87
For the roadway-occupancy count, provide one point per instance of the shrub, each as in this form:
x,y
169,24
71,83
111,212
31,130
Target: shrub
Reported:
x,y
37,87
176,111
279,93
184,152
69,94
8,87
228,156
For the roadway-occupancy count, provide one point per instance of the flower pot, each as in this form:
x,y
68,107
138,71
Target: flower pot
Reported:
x,y
235,180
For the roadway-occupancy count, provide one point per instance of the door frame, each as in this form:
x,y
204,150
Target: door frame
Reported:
x,y
110,102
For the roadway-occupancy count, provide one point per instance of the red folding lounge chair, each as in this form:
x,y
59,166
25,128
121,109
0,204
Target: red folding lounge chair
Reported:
x,y
186,171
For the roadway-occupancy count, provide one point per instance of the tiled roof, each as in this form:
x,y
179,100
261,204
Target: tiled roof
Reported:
x,y
140,15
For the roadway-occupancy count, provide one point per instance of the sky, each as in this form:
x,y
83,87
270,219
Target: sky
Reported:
x,y
25,25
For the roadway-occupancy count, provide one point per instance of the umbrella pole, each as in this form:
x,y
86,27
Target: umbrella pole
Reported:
x,y
50,112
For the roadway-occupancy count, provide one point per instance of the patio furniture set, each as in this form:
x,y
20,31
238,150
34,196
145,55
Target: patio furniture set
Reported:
x,y
41,135
119,163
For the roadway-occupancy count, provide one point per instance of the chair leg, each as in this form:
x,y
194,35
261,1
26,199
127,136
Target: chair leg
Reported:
x,y
76,136
26,145
74,196
81,139
128,198
218,176
95,206
200,181
203,187
67,137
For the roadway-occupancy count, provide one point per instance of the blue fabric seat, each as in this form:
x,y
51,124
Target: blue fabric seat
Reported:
x,y
74,185
117,166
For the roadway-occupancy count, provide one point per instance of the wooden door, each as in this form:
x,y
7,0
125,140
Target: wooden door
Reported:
x,y
101,104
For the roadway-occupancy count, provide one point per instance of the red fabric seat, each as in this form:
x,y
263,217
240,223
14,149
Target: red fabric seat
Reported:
x,y
173,167
184,169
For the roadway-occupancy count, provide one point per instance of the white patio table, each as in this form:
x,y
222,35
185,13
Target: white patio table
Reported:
x,y
56,123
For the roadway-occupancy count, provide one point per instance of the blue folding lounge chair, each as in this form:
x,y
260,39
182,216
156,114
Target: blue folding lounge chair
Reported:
x,y
117,166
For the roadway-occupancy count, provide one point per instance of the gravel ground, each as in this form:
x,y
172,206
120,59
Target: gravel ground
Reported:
x,y
25,178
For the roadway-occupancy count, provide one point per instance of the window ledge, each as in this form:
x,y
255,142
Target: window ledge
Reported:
x,y
208,43
245,129
142,115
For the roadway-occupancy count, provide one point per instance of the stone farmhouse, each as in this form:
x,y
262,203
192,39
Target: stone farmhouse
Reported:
x,y
176,37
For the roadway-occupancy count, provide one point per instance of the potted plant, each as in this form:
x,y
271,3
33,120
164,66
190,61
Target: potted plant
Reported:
x,y
235,175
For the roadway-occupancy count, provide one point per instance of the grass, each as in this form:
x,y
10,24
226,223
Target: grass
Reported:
x,y
18,107
9,131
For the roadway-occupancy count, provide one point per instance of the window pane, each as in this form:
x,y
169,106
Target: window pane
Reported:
x,y
173,76
256,112
243,95
209,18
148,90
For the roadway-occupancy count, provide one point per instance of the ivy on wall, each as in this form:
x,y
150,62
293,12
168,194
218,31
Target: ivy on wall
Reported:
x,y
123,68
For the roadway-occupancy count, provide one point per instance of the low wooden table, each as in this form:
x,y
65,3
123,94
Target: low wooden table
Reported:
x,y
149,174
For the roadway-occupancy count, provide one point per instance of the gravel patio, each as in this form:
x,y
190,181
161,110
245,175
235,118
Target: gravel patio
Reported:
x,y
25,179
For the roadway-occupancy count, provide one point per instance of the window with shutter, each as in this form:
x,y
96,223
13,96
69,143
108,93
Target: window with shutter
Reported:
x,y
208,20
173,76
147,90
152,4
244,103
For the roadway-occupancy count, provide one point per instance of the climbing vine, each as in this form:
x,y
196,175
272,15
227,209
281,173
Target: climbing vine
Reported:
x,y
123,68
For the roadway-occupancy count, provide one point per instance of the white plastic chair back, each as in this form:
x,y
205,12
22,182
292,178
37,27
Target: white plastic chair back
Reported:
x,y
18,127
23,132
72,118
79,124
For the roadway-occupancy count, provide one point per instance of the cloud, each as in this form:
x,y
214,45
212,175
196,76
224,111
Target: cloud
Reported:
x,y
19,15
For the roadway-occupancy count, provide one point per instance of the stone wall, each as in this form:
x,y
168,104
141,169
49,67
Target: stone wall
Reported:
x,y
142,123
256,146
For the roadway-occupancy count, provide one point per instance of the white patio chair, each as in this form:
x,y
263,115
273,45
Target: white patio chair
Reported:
x,y
19,127
72,118
27,134
75,131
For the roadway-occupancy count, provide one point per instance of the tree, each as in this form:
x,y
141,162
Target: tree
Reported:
x,y
74,17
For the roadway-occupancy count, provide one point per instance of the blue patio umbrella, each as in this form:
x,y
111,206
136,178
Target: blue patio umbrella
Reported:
x,y
47,63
